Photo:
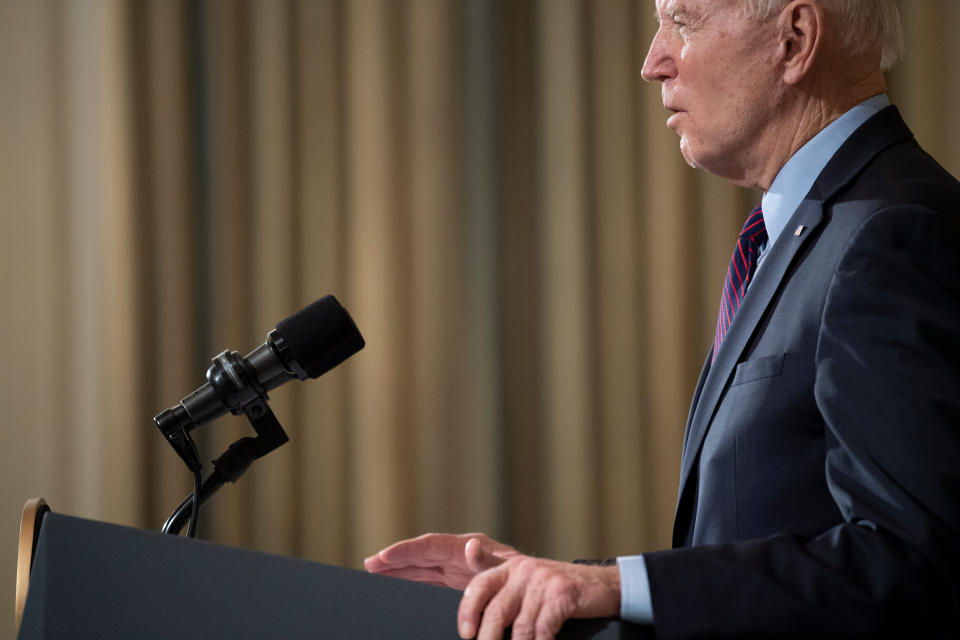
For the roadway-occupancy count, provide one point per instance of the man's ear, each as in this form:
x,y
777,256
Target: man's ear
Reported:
x,y
801,26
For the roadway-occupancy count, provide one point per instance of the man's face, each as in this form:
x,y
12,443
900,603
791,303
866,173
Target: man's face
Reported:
x,y
720,80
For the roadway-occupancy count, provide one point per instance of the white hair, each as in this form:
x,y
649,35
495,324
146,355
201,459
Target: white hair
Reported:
x,y
866,24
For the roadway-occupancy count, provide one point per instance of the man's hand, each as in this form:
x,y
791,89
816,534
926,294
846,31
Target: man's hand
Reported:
x,y
440,558
536,596
501,586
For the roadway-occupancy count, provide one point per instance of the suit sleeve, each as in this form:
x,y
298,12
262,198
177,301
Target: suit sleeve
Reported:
x,y
888,389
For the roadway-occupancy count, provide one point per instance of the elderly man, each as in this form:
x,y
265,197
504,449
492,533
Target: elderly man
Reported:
x,y
820,476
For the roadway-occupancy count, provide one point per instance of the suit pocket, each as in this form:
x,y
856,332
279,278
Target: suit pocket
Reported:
x,y
758,368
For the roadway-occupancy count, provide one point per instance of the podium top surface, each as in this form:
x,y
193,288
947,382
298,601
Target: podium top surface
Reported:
x,y
97,580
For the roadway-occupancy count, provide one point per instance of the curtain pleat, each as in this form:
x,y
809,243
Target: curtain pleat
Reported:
x,y
381,448
102,267
618,386
435,270
925,86
479,458
522,429
165,206
37,423
563,278
488,187
322,492
272,132
221,35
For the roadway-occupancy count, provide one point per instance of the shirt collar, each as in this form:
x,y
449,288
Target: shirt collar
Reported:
x,y
802,169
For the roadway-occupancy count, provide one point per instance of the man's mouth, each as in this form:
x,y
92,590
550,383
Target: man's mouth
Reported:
x,y
674,113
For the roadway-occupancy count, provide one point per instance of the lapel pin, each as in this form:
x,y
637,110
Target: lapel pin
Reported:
x,y
799,231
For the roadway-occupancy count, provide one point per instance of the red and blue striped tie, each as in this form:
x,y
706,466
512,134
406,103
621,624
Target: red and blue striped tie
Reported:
x,y
742,265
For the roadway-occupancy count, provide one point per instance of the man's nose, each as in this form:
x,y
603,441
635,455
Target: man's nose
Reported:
x,y
659,64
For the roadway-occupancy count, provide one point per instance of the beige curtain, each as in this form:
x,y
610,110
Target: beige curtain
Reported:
x,y
488,187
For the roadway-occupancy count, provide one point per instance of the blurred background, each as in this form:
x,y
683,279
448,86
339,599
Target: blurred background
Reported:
x,y
487,186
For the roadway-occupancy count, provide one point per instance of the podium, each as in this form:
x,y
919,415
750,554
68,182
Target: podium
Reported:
x,y
95,580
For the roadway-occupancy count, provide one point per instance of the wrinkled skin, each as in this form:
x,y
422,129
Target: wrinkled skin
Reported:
x,y
502,587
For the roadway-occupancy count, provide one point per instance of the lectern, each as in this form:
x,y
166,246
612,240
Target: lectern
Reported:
x,y
96,580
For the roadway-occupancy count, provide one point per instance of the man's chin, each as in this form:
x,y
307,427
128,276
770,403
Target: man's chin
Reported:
x,y
687,155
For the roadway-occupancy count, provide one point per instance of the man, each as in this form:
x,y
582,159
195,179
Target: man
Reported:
x,y
820,477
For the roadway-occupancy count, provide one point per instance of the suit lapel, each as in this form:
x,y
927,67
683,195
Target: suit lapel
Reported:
x,y
755,303
704,372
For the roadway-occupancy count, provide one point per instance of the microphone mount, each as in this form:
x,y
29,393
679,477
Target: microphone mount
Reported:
x,y
233,379
304,345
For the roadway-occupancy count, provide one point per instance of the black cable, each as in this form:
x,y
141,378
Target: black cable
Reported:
x,y
195,509
178,519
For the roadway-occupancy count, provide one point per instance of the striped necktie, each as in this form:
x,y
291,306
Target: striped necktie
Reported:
x,y
742,265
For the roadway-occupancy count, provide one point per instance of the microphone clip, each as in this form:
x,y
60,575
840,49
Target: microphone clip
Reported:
x,y
270,435
235,383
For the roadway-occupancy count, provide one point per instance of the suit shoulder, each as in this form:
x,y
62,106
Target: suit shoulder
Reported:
x,y
901,200
903,175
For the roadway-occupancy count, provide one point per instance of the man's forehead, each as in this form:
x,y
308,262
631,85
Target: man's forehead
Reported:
x,y
673,7
667,6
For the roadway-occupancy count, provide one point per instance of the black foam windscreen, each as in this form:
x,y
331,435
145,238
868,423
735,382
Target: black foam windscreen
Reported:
x,y
320,336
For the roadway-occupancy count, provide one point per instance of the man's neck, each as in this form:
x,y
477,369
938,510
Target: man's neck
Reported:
x,y
806,117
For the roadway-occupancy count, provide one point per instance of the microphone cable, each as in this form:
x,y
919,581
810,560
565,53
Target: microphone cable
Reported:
x,y
195,509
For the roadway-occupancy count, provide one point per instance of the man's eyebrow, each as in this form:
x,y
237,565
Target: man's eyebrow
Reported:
x,y
670,8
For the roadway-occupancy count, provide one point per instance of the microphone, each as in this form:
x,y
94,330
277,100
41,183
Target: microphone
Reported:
x,y
305,345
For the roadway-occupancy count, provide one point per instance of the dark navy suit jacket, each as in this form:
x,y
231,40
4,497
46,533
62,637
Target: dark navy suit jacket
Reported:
x,y
820,478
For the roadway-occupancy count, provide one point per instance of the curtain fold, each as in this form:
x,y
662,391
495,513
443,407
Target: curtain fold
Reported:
x,y
487,186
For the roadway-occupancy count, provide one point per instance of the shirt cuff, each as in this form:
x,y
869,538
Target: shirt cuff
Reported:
x,y
635,603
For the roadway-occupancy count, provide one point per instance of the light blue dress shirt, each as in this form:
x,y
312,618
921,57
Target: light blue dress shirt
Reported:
x,y
784,196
